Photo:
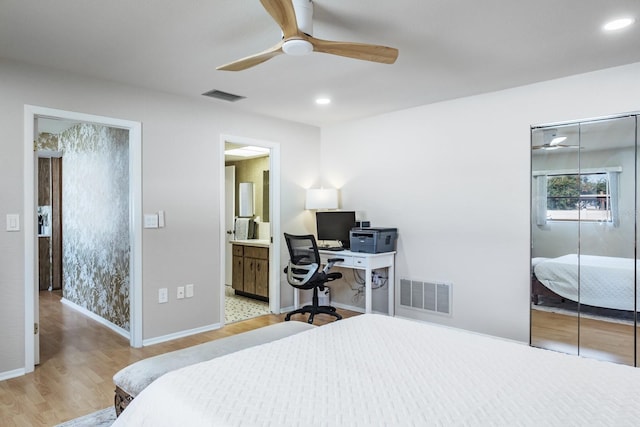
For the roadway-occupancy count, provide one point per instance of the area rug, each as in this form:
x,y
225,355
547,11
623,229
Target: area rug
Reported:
x,y
102,418
570,308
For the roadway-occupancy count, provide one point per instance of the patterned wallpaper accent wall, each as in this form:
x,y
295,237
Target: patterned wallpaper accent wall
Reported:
x,y
95,220
47,141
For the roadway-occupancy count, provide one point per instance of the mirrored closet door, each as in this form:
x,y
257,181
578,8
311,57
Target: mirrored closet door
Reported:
x,y
583,238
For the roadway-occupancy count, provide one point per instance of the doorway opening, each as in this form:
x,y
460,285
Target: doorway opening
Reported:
x,y
250,212
118,202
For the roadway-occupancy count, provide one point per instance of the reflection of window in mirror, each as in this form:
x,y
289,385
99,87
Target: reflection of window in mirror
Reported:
x,y
590,196
573,197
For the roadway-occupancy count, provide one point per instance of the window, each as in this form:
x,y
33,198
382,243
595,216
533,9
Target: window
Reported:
x,y
579,197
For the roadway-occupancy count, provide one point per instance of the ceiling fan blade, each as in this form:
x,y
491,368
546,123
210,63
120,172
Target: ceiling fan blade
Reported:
x,y
366,52
284,14
253,60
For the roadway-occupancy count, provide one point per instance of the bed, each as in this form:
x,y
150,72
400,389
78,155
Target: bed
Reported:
x,y
606,282
375,370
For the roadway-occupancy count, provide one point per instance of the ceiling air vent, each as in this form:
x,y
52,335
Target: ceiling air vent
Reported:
x,y
225,96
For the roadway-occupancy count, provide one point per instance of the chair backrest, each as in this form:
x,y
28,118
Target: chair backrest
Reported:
x,y
304,262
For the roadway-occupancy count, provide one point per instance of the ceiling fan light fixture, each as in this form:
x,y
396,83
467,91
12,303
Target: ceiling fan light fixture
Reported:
x,y
557,140
297,47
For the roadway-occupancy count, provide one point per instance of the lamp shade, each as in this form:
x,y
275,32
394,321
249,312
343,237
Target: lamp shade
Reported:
x,y
322,198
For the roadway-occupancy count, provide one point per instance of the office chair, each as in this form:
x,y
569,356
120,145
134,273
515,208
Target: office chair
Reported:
x,y
303,272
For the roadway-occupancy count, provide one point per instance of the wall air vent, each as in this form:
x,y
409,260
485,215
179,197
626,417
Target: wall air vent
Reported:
x,y
432,297
225,96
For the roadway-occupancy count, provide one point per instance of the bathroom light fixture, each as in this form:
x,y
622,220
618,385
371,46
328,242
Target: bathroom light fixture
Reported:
x,y
321,198
247,151
323,101
618,24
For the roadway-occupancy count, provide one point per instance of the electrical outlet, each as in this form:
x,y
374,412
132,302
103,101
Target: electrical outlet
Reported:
x,y
180,293
163,295
189,289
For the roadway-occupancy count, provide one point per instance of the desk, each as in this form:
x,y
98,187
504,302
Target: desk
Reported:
x,y
368,263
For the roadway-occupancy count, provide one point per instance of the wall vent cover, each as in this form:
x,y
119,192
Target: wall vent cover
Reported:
x,y
434,297
225,96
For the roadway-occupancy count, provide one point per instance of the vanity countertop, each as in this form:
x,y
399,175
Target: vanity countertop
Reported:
x,y
252,242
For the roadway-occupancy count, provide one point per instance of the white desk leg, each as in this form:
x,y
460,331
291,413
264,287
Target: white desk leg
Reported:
x,y
392,289
367,291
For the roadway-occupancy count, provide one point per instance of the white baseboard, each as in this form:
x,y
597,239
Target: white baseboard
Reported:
x,y
347,307
12,374
115,328
181,334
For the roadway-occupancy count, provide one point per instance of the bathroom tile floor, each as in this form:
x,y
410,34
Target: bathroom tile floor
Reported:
x,y
237,308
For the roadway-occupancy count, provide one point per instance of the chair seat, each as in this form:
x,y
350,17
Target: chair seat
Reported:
x,y
334,276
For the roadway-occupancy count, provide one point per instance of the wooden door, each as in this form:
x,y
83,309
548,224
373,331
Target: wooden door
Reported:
x,y
262,277
250,275
56,222
237,279
44,238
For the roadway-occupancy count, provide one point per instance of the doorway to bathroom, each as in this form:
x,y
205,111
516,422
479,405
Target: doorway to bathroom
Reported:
x,y
251,203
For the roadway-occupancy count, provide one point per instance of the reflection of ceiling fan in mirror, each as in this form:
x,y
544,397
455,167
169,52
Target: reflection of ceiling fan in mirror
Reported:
x,y
295,19
553,141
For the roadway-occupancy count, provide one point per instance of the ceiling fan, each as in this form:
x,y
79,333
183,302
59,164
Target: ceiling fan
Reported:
x,y
553,141
295,19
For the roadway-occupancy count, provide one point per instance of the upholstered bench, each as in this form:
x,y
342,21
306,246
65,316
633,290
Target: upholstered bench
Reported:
x,y
130,381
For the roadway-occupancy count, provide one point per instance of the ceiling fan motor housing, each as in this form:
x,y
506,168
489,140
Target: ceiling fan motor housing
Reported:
x,y
304,19
304,15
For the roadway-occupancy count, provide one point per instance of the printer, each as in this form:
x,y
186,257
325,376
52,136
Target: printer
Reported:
x,y
373,240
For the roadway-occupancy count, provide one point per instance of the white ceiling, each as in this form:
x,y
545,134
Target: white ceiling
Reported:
x,y
448,48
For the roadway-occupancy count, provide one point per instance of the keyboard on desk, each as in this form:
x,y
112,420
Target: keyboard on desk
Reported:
x,y
332,248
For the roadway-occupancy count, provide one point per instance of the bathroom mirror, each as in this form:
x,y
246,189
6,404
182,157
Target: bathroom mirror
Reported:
x,y
583,210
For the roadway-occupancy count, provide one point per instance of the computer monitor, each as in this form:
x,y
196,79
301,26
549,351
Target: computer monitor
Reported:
x,y
335,225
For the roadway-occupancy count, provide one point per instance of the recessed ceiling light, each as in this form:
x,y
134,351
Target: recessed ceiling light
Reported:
x,y
618,24
323,101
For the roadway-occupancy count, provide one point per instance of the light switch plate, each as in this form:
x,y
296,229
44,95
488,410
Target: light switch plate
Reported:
x,y
150,221
163,295
180,293
189,289
13,222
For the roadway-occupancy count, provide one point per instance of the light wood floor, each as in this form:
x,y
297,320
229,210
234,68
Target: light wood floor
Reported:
x,y
613,342
78,358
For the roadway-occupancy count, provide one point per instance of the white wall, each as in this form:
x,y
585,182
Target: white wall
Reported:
x,y
454,177
181,158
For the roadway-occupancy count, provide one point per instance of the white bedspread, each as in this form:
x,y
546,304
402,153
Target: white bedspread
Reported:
x,y
374,370
604,281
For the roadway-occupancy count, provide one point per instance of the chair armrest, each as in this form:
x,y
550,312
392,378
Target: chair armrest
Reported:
x,y
330,263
